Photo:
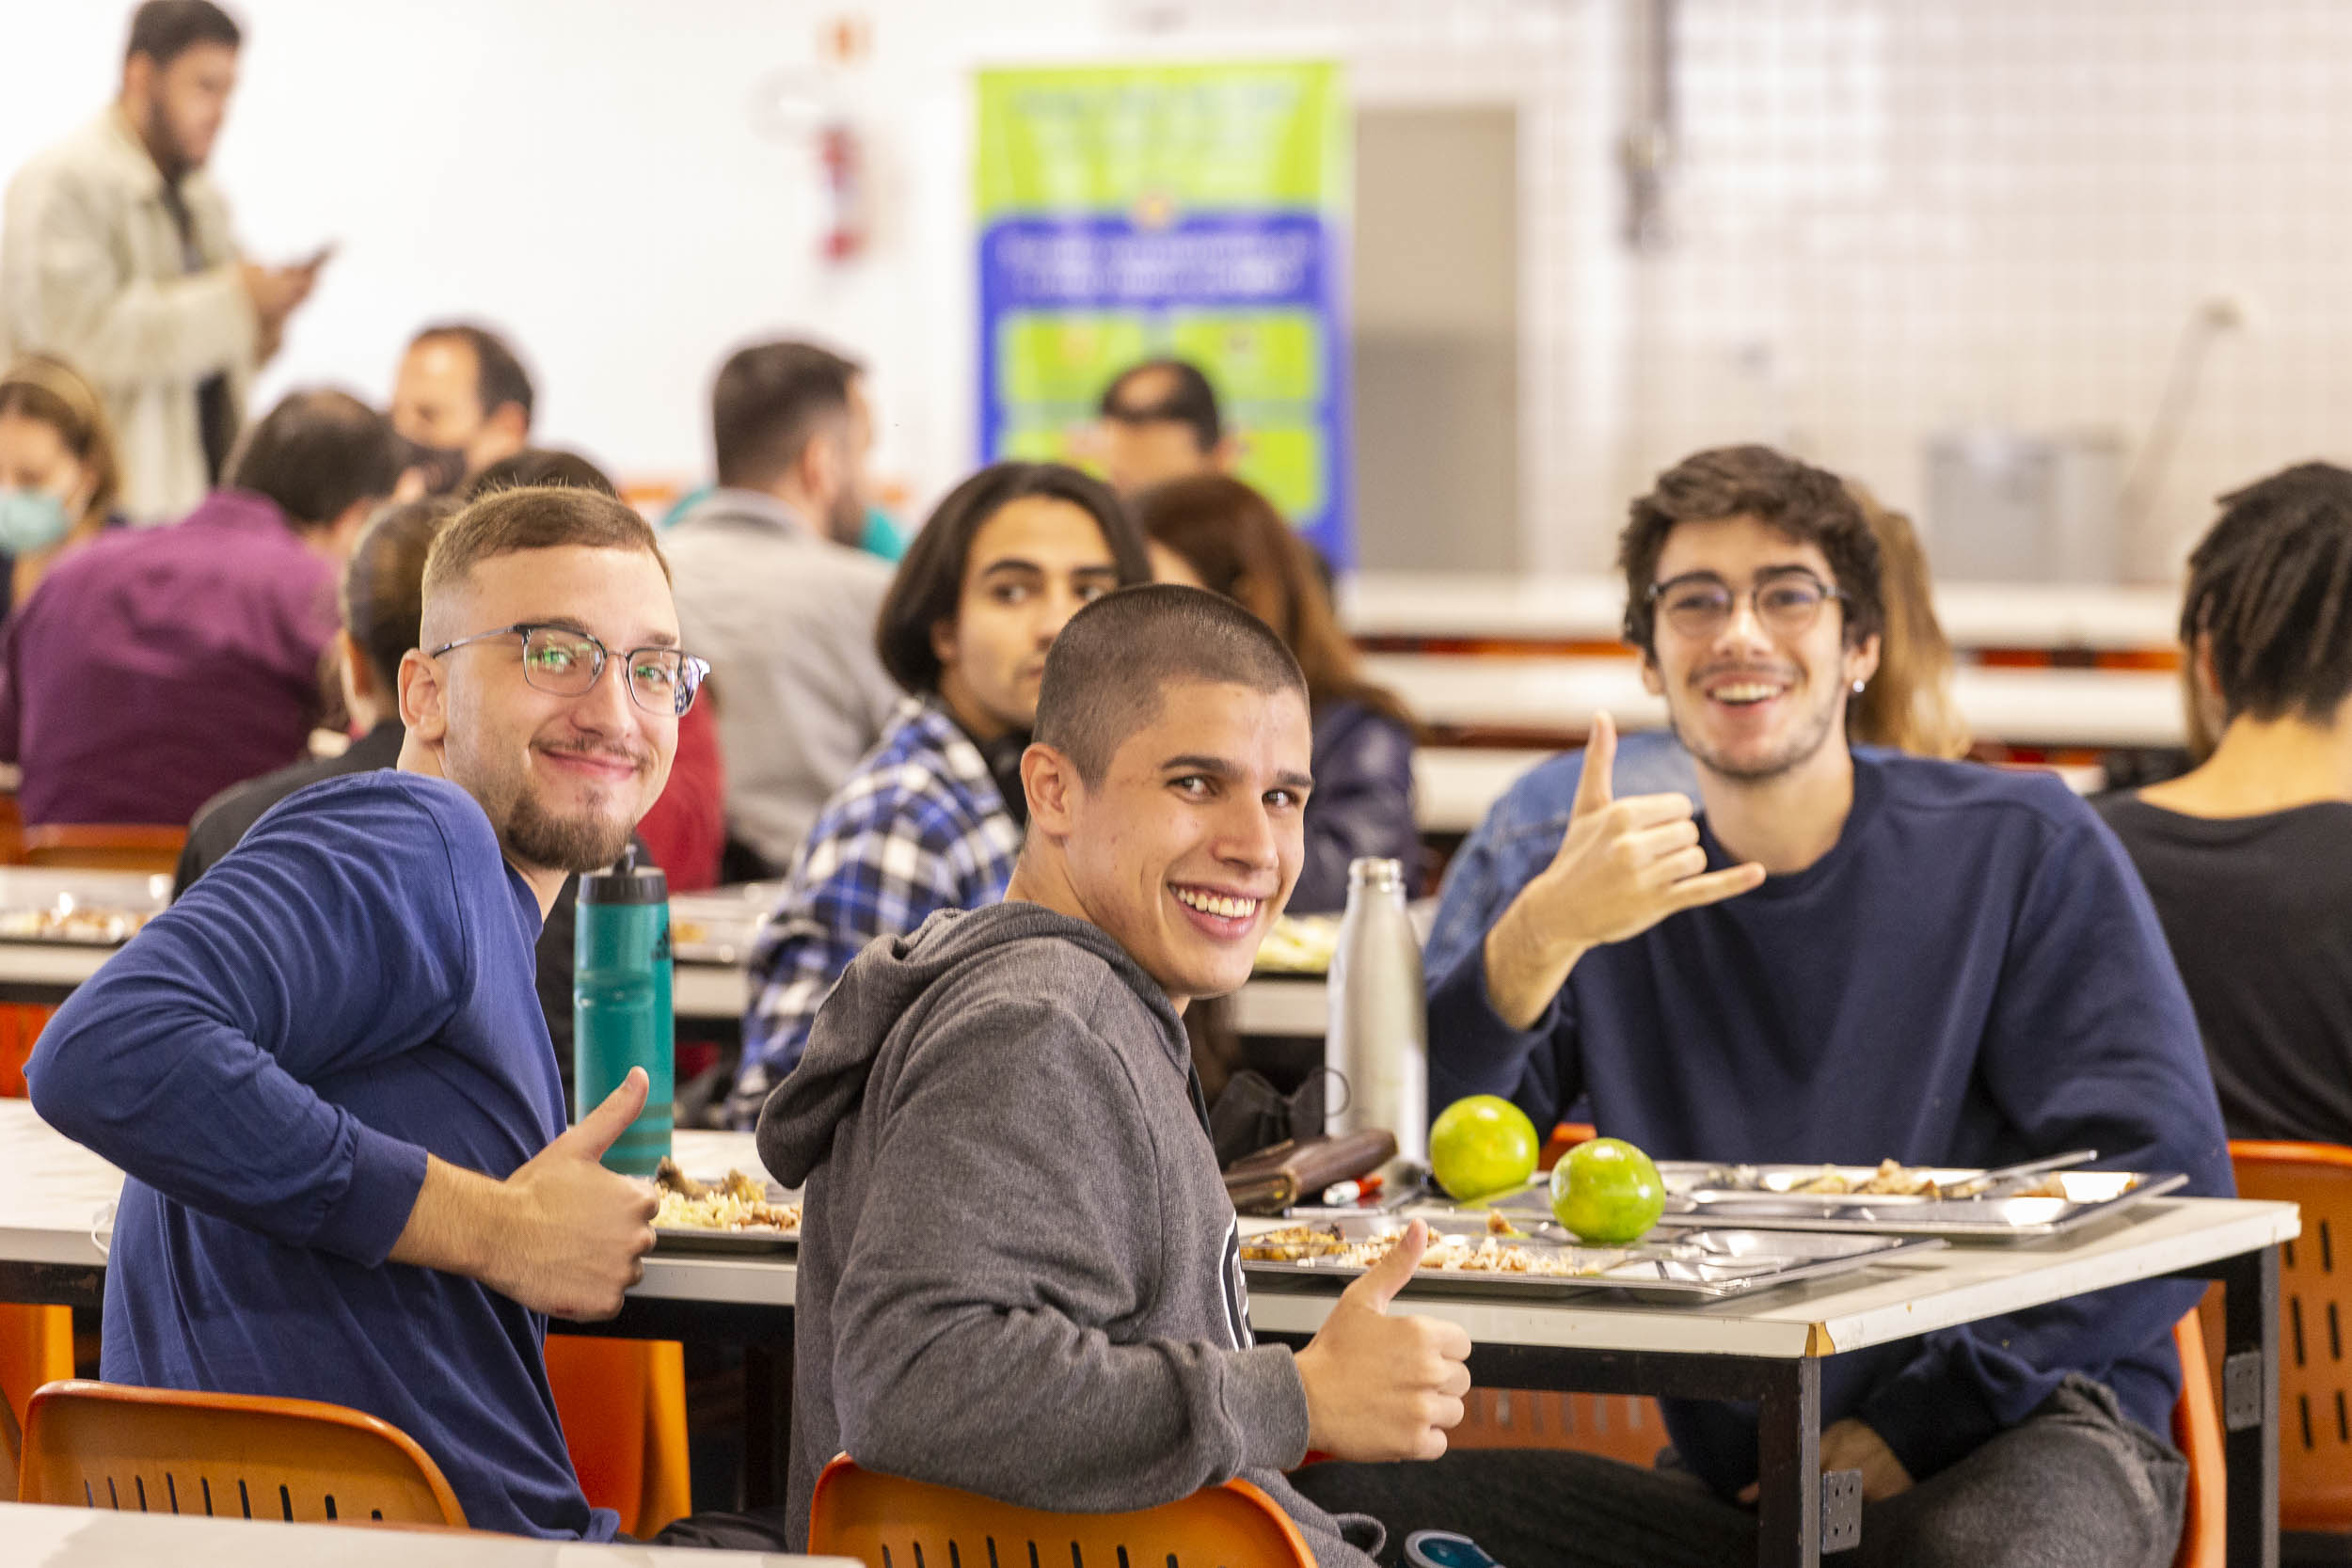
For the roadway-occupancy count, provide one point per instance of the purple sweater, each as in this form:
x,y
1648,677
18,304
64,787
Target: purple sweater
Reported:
x,y
156,667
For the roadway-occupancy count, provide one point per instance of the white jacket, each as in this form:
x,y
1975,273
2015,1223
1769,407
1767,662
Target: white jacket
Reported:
x,y
91,271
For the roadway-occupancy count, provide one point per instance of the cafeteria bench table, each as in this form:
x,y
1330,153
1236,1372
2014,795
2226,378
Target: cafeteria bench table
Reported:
x,y
1768,1347
102,1538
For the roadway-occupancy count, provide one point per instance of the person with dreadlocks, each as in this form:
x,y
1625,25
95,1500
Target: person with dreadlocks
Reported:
x,y
2248,856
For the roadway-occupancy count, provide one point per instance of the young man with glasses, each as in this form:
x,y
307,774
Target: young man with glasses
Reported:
x,y
324,1070
1840,955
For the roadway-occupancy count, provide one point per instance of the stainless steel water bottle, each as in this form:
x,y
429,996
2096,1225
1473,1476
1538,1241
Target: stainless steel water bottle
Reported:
x,y
620,1015
1379,1020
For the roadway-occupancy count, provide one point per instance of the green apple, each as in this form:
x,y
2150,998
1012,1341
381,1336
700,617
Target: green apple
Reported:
x,y
1482,1145
1607,1192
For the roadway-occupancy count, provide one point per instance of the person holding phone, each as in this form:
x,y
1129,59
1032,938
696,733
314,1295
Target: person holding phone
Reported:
x,y
116,257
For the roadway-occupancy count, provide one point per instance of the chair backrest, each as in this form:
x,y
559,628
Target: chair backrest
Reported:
x,y
887,1522
2197,1432
106,846
1625,1427
2315,1304
164,1450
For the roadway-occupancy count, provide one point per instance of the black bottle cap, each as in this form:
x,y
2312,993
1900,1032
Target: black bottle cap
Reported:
x,y
625,882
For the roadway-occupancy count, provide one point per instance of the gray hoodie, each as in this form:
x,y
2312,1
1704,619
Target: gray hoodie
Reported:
x,y
1019,1271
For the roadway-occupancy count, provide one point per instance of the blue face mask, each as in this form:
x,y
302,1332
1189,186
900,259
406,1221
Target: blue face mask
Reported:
x,y
30,520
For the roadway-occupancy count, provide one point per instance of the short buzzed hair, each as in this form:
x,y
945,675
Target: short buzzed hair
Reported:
x,y
770,401
535,517
1111,664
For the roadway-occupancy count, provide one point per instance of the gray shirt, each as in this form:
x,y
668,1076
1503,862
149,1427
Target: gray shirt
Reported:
x,y
1019,1272
787,618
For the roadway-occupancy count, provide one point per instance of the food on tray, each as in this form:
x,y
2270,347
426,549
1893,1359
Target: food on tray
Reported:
x,y
1299,944
1607,1191
1498,1224
1292,1244
1889,1180
1482,1145
1484,1254
67,921
737,1203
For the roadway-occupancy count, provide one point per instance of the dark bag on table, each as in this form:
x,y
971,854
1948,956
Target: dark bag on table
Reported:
x,y
1274,1179
1250,1113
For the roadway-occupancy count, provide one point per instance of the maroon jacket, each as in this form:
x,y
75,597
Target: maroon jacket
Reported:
x,y
156,667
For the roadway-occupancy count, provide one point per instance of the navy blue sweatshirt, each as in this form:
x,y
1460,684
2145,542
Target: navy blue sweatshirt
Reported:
x,y
1971,975
270,1061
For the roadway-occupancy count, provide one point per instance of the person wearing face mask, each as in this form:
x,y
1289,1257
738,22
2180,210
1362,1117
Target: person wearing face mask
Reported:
x,y
117,256
463,401
931,819
58,477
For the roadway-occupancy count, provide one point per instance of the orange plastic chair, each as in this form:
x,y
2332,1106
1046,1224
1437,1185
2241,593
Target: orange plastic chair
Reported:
x,y
623,1404
2314,1300
2197,1432
101,1445
870,1517
106,846
1614,1426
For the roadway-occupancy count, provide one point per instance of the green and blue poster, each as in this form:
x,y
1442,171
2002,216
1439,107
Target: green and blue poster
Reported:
x,y
1195,212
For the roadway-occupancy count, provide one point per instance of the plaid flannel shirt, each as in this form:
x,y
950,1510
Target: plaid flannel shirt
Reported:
x,y
919,827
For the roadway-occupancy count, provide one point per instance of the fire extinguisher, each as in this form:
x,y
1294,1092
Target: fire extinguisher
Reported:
x,y
839,153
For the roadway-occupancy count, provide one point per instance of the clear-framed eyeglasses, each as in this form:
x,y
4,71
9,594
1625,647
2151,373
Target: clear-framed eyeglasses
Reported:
x,y
1699,605
566,661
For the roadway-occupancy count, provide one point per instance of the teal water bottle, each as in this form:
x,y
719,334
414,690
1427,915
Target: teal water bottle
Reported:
x,y
621,1003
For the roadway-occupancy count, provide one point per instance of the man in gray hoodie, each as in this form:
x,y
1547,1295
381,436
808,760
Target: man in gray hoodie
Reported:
x,y
1019,1271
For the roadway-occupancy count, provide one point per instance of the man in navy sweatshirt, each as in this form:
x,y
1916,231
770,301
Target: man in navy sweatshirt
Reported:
x,y
1843,955
326,1071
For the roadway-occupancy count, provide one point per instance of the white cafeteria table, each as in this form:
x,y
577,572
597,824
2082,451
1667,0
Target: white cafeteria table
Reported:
x,y
1768,1347
101,1538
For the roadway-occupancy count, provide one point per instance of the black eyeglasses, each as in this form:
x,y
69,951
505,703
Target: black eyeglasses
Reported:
x,y
1699,605
566,661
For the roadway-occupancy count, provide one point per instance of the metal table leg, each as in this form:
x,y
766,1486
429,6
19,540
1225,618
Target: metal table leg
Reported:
x,y
1788,1439
2249,1401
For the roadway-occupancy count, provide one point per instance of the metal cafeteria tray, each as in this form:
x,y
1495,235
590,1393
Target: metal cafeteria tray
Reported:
x,y
2090,1195
695,1238
1704,1264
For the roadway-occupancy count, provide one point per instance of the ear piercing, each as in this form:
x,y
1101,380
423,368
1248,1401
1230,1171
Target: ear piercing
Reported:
x,y
1857,689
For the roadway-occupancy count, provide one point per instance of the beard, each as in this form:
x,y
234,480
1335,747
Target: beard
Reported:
x,y
846,520
1811,733
539,837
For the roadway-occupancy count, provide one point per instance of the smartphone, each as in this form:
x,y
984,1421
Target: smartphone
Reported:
x,y
1438,1548
318,257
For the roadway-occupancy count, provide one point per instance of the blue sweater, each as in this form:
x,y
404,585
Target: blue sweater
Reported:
x,y
270,1060
1971,975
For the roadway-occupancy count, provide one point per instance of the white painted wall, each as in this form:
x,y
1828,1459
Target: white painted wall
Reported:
x,y
626,186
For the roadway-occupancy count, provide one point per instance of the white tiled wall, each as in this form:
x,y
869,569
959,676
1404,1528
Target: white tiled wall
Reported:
x,y
1889,217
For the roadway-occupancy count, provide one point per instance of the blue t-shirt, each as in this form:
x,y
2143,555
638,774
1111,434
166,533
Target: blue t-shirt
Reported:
x,y
270,1061
1971,975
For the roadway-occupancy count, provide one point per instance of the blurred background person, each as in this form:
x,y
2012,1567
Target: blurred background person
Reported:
x,y
156,667
772,590
59,477
117,256
462,399
931,818
2248,856
1215,532
1159,420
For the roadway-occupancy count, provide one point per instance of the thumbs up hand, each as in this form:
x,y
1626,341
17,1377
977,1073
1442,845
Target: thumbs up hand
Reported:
x,y
1382,1387
1623,866
581,1231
